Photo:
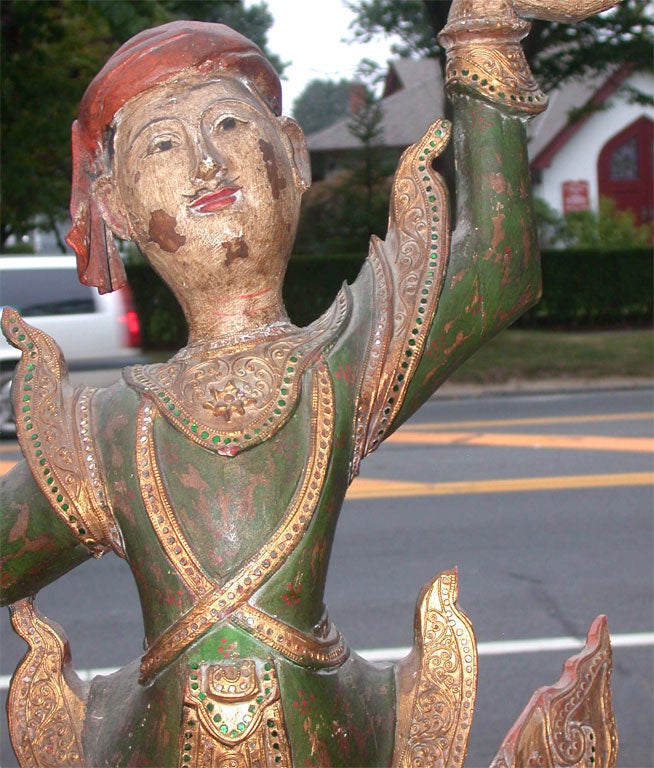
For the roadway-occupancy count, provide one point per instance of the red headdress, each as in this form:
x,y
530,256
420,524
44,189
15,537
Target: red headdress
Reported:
x,y
148,59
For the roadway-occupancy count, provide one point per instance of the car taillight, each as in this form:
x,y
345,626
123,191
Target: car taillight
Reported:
x,y
131,320
133,328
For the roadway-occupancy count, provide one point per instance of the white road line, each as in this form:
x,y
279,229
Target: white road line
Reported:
x,y
492,648
508,647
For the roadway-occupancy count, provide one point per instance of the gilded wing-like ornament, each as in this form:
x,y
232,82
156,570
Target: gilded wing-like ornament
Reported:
x,y
570,723
55,432
408,271
437,682
46,701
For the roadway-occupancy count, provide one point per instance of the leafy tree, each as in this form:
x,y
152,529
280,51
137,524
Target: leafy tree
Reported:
x,y
366,125
50,51
342,212
321,104
557,52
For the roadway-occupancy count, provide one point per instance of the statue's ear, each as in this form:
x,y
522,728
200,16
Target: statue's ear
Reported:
x,y
111,206
300,152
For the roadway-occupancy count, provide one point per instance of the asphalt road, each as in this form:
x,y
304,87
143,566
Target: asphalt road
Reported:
x,y
545,504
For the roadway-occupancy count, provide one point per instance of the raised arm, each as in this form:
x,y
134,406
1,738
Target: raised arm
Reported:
x,y
493,274
436,302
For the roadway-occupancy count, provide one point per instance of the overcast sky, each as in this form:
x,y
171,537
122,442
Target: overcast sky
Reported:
x,y
311,34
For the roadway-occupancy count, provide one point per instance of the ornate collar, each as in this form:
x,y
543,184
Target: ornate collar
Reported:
x,y
227,396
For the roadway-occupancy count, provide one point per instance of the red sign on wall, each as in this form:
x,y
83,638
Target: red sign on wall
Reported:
x,y
576,196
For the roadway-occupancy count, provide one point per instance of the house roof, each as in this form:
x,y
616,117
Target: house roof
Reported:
x,y
550,131
413,98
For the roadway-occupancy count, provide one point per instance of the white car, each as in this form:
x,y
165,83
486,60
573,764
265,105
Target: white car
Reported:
x,y
93,330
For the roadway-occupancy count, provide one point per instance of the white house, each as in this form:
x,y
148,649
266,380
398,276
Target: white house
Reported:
x,y
591,141
594,141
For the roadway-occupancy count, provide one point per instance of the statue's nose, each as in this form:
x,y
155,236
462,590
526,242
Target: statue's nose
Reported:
x,y
206,168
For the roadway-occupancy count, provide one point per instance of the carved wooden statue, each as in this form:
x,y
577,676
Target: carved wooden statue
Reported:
x,y
219,475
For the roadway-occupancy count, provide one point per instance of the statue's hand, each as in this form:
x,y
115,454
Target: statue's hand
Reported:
x,y
484,55
565,11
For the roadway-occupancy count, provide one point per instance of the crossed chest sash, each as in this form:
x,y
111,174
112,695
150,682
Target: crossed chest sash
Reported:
x,y
325,646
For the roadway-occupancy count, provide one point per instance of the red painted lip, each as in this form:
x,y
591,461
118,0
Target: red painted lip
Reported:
x,y
214,201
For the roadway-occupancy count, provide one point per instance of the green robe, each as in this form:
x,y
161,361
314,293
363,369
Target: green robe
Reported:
x,y
237,469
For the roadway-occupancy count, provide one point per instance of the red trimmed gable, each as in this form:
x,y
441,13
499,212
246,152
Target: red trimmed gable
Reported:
x,y
544,158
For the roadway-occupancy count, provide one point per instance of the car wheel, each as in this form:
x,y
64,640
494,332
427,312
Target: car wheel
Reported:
x,y
7,423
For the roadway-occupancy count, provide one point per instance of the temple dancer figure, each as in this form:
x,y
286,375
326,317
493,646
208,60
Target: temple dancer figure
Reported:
x,y
219,475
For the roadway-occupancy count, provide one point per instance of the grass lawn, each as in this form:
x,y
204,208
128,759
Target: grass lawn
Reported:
x,y
522,354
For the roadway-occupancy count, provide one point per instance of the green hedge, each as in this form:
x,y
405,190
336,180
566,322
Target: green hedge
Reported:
x,y
580,289
594,288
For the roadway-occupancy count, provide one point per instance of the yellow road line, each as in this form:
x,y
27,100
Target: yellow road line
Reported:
x,y
568,442
364,488
5,466
596,418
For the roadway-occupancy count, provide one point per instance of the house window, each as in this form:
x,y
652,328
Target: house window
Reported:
x,y
623,165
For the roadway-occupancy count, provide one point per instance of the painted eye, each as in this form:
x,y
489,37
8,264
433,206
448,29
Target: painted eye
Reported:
x,y
226,124
162,143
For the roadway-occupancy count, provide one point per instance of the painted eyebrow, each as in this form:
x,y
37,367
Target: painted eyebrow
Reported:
x,y
149,124
252,105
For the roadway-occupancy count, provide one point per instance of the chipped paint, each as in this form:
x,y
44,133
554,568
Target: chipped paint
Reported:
x,y
275,179
235,249
162,232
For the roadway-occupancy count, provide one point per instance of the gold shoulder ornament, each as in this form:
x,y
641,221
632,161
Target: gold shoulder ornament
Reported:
x,y
55,432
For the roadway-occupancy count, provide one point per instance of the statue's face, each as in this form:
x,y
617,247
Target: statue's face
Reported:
x,y
207,182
